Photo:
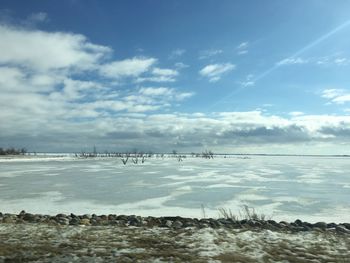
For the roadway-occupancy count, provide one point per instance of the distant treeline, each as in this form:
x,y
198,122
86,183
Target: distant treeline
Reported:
x,y
13,151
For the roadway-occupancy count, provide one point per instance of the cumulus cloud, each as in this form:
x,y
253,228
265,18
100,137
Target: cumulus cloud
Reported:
x,y
43,51
61,92
59,89
215,71
127,68
222,132
165,93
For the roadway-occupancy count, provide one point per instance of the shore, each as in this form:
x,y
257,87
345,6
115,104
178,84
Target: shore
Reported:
x,y
109,238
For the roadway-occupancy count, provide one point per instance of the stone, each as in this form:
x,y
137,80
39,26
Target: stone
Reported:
x,y
177,224
321,225
62,221
61,215
331,225
298,222
346,225
8,220
85,221
342,229
22,213
168,223
74,221
29,217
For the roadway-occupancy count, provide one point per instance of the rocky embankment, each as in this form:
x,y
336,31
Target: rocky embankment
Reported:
x,y
118,238
176,222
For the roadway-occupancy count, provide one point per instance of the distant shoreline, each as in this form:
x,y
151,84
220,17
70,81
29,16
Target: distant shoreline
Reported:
x,y
49,154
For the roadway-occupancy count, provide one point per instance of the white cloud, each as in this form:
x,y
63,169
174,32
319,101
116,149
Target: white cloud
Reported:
x,y
338,96
242,52
127,68
177,53
292,61
296,113
243,45
165,72
249,81
180,65
155,79
43,51
215,71
165,93
242,48
332,93
204,54
341,61
333,60
44,86
160,75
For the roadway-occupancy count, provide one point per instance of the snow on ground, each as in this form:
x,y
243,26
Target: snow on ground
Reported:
x,y
285,188
30,242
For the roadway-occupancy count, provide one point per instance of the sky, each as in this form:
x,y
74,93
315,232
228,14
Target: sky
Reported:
x,y
228,76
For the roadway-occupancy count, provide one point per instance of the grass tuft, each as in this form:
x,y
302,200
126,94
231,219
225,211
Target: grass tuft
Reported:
x,y
246,212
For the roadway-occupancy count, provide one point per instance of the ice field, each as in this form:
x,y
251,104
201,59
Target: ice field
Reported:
x,y
282,187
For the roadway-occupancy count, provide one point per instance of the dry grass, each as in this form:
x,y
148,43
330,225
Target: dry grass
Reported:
x,y
245,213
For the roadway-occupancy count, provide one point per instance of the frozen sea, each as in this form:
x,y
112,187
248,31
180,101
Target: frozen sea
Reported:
x,y
282,187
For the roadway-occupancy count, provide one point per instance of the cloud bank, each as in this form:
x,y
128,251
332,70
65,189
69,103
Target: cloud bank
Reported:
x,y
61,92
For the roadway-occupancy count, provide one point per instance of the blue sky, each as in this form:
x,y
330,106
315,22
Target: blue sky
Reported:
x,y
232,76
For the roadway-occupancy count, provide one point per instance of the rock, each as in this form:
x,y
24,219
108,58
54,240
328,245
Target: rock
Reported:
x,y
103,217
346,225
22,213
321,225
112,217
8,220
331,225
275,224
298,222
342,229
122,217
189,223
29,217
168,223
74,221
85,222
243,222
61,215
177,224
93,222
62,220
135,220
306,228
203,225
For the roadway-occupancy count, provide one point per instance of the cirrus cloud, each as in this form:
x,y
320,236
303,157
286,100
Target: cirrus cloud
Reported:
x,y
214,72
